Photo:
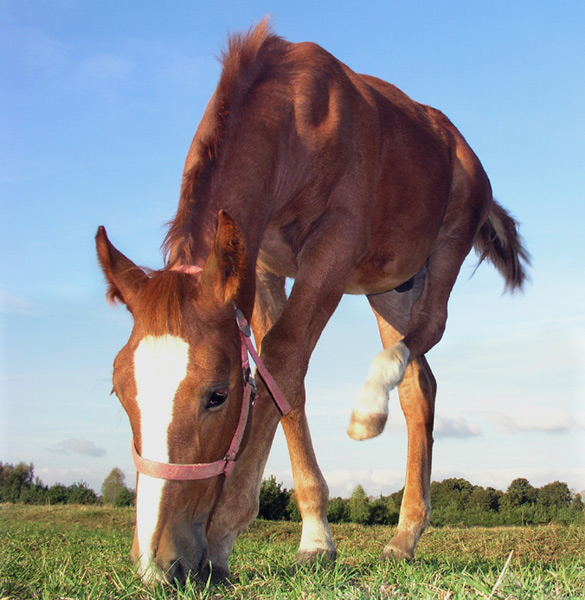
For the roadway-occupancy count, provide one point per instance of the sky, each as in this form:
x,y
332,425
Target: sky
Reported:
x,y
98,105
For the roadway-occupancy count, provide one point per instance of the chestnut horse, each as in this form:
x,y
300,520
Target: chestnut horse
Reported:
x,y
299,168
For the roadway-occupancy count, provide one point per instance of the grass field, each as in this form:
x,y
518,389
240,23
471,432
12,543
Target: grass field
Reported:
x,y
72,552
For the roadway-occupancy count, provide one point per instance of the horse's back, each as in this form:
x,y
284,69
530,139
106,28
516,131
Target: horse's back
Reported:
x,y
325,141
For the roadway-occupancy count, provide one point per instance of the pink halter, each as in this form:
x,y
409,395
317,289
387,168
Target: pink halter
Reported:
x,y
190,472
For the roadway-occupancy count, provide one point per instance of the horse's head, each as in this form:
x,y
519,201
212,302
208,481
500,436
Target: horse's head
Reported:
x,y
179,379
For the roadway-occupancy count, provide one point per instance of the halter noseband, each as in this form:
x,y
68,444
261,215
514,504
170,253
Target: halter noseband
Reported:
x,y
190,472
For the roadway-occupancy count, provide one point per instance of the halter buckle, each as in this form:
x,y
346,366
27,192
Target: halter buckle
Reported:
x,y
243,324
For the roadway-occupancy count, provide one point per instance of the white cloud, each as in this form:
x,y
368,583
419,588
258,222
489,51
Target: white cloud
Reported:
x,y
74,446
455,427
542,421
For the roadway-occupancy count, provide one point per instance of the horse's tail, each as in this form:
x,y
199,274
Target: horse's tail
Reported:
x,y
498,241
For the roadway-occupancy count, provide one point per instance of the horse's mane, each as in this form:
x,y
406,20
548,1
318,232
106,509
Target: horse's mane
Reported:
x,y
243,66
159,306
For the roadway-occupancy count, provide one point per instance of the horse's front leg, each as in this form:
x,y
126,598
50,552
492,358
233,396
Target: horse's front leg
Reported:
x,y
286,349
310,488
237,505
311,491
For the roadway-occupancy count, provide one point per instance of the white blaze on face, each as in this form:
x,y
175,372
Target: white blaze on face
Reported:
x,y
160,365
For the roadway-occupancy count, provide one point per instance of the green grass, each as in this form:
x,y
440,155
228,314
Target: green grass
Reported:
x,y
82,552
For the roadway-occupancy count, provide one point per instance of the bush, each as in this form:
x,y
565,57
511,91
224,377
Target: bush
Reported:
x,y
81,493
58,494
338,510
274,500
125,497
292,509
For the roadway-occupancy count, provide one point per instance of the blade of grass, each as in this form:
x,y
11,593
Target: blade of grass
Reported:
x,y
501,577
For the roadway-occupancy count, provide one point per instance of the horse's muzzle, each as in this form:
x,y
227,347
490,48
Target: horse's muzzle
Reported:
x,y
180,554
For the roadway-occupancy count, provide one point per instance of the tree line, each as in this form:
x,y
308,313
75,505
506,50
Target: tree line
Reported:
x,y
19,484
454,502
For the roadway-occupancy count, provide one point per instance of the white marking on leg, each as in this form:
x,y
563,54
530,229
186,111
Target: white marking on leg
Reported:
x,y
315,536
160,365
386,372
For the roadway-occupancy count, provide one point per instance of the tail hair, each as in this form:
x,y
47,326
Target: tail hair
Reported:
x,y
498,241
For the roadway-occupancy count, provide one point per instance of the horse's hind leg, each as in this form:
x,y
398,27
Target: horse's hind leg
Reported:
x,y
417,398
417,393
469,206
370,408
426,313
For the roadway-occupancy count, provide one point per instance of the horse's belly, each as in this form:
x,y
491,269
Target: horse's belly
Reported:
x,y
360,285
281,262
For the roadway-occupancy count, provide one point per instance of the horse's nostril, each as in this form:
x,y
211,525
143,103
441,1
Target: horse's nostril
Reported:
x,y
176,573
214,572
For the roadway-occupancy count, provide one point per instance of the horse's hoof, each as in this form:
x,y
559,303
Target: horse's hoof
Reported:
x,y
363,426
312,556
394,553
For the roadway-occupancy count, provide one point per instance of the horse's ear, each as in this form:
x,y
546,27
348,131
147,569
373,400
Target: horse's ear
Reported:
x,y
226,265
123,276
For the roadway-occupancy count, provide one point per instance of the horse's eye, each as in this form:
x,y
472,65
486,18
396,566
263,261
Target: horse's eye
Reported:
x,y
216,398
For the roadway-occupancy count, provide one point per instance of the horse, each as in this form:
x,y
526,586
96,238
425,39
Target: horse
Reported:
x,y
300,168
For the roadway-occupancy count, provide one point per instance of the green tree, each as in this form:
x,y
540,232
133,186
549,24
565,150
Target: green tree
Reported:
x,y
14,480
392,509
58,494
577,504
113,484
397,499
449,514
487,499
453,492
338,510
292,508
35,494
359,506
125,497
577,509
80,493
520,492
382,511
554,494
274,500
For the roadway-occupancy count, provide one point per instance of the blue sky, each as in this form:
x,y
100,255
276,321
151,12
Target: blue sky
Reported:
x,y
98,105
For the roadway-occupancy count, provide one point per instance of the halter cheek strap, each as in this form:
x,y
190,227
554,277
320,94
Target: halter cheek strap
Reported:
x,y
191,472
